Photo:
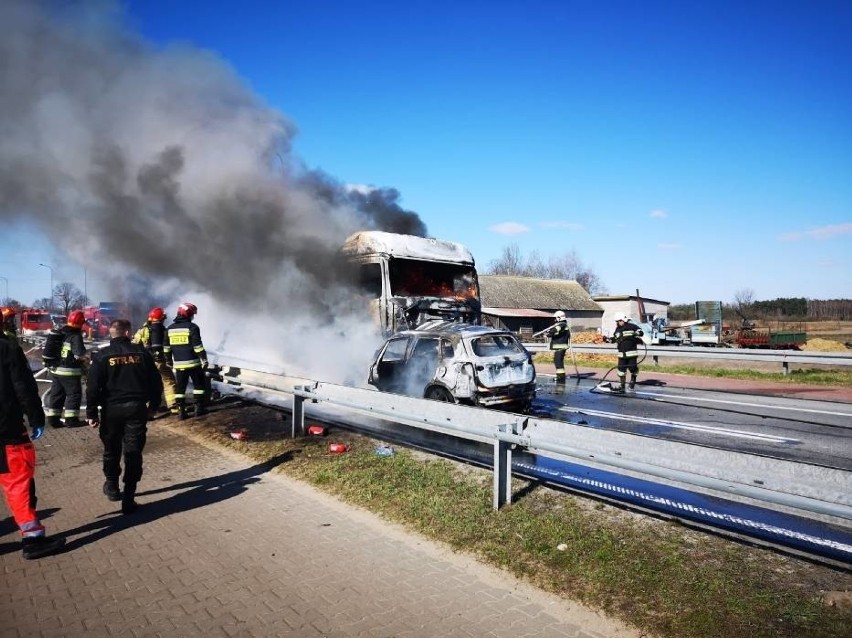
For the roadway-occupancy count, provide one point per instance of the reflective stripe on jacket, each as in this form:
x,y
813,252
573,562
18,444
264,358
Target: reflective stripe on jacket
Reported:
x,y
183,343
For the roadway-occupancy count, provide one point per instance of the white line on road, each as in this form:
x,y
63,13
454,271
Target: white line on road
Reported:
x,y
692,398
681,425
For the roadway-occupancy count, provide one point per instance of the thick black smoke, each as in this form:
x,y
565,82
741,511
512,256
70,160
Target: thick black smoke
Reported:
x,y
163,164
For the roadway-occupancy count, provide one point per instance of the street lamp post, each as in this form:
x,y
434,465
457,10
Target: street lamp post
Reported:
x,y
6,298
50,297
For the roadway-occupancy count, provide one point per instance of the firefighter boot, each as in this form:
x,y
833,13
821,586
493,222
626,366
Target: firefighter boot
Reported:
x,y
128,504
201,408
560,378
632,386
53,421
181,411
111,490
38,546
619,389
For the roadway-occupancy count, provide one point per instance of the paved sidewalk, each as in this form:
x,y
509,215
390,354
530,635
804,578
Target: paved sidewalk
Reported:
x,y
224,548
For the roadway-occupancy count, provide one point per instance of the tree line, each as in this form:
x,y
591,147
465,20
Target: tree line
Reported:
x,y
782,308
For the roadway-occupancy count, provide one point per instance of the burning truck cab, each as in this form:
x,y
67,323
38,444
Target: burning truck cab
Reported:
x,y
410,280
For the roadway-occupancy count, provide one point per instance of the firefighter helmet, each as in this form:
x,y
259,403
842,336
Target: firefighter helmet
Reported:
x,y
559,315
76,319
156,314
187,310
7,313
622,317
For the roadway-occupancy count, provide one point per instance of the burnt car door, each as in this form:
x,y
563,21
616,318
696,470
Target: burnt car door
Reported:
x,y
422,364
388,370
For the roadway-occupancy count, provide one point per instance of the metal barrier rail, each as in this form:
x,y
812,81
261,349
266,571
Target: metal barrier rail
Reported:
x,y
807,490
784,357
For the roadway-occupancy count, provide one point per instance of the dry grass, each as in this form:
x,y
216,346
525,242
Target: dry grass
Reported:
x,y
664,578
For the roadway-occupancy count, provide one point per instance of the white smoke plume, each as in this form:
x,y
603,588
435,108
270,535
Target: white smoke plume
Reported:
x,y
166,167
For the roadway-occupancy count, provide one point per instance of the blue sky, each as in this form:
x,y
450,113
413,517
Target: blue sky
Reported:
x,y
690,150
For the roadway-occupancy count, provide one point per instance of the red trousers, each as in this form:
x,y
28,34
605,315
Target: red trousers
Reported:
x,y
19,487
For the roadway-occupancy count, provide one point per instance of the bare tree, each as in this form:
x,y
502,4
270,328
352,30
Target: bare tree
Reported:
x,y
567,266
68,295
744,304
509,262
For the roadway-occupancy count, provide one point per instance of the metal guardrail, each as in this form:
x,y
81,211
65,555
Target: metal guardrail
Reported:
x,y
805,490
784,357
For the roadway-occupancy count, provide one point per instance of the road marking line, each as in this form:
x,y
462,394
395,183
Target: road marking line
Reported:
x,y
746,404
681,425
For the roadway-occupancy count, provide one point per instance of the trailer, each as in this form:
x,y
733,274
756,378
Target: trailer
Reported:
x,y
771,339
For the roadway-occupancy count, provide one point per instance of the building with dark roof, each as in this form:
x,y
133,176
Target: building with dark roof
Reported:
x,y
525,305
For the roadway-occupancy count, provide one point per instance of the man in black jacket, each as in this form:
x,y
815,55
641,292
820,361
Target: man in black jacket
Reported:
x,y
123,380
19,396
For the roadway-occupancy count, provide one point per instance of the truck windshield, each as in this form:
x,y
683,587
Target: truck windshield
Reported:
x,y
414,278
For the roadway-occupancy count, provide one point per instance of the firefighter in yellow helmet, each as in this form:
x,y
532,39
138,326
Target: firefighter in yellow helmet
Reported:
x,y
152,335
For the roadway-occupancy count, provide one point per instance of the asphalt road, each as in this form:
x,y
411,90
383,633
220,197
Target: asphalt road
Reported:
x,y
801,430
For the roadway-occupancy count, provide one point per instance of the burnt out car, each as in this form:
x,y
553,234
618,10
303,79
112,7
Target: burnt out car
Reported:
x,y
457,363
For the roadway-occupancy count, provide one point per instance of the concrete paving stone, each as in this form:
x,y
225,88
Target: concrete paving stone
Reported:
x,y
221,548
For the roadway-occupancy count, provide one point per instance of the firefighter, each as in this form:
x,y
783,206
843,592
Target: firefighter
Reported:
x,y
19,396
123,381
152,335
560,337
186,354
7,315
66,389
628,336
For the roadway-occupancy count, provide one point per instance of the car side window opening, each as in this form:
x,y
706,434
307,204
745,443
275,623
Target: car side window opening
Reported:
x,y
395,350
426,348
447,351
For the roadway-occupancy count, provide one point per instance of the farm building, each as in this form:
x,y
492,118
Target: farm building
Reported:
x,y
526,305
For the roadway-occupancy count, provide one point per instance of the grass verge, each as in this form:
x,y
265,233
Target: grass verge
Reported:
x,y
811,376
663,578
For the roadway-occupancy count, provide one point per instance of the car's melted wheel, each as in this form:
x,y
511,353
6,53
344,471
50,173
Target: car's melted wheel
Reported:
x,y
439,394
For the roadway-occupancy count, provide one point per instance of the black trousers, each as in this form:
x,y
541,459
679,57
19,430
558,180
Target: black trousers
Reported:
x,y
627,363
559,361
199,383
123,431
65,392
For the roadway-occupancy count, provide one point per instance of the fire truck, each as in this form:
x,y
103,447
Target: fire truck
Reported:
x,y
35,321
99,317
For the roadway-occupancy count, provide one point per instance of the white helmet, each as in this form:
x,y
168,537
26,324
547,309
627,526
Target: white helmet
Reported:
x,y
622,317
559,315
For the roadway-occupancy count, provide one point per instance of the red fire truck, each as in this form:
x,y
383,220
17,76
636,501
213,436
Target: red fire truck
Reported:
x,y
35,321
99,317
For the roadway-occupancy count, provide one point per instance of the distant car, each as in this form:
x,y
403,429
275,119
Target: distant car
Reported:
x,y
456,363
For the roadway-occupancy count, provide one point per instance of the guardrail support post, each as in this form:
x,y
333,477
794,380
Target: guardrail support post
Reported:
x,y
502,472
298,427
786,365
